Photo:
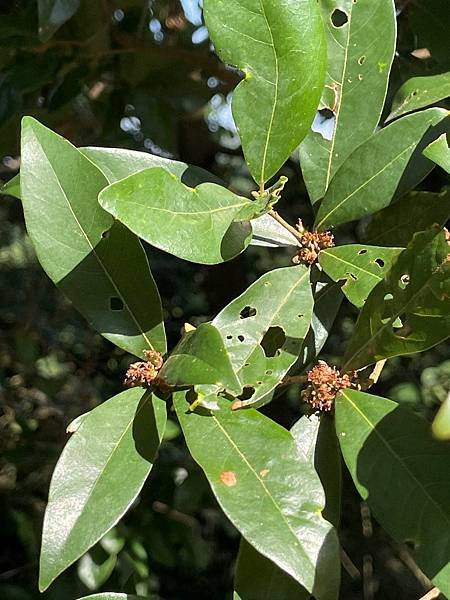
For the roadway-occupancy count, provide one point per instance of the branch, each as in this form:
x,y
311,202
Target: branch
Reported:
x,y
295,232
432,594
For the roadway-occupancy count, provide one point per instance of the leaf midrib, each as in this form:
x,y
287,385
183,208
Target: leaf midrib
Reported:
x,y
265,488
145,398
119,293
384,326
399,459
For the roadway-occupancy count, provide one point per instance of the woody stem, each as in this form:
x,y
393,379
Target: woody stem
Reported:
x,y
285,224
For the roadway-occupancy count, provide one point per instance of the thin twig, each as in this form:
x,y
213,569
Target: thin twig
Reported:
x,y
295,379
432,594
285,224
350,566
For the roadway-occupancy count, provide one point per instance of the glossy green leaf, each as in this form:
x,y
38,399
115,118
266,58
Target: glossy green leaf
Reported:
x,y
361,43
359,267
415,292
281,48
268,491
111,596
118,163
258,578
115,443
396,224
316,439
367,181
441,423
12,187
53,14
402,472
327,300
201,358
439,152
196,224
102,268
264,328
420,92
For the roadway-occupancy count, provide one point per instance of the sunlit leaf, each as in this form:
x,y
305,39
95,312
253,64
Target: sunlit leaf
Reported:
x,y
367,181
439,152
280,46
116,442
111,596
264,328
268,232
201,358
197,224
315,437
420,92
102,268
416,292
358,267
402,472
361,44
268,491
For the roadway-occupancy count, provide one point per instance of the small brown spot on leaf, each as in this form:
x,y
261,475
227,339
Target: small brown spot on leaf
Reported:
x,y
228,478
264,472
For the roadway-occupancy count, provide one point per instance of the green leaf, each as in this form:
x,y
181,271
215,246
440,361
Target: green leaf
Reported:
x,y
415,291
359,267
397,223
281,48
92,573
441,423
360,54
193,224
420,92
258,578
201,358
264,328
268,491
368,179
268,232
316,440
402,472
439,152
12,187
327,300
53,14
98,476
111,596
102,268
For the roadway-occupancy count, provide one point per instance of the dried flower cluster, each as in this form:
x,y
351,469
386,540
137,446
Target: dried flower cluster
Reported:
x,y
144,373
324,383
311,243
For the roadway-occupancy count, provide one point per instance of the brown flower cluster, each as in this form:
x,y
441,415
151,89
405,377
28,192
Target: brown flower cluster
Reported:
x,y
144,373
324,383
311,243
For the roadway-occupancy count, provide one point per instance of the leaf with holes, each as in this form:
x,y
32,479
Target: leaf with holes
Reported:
x,y
439,152
268,491
359,267
316,440
164,212
361,44
367,181
102,268
280,46
397,223
419,92
264,328
121,436
258,578
201,359
402,472
53,14
414,294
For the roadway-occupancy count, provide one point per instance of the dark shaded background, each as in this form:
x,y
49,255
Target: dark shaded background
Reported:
x,y
142,75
